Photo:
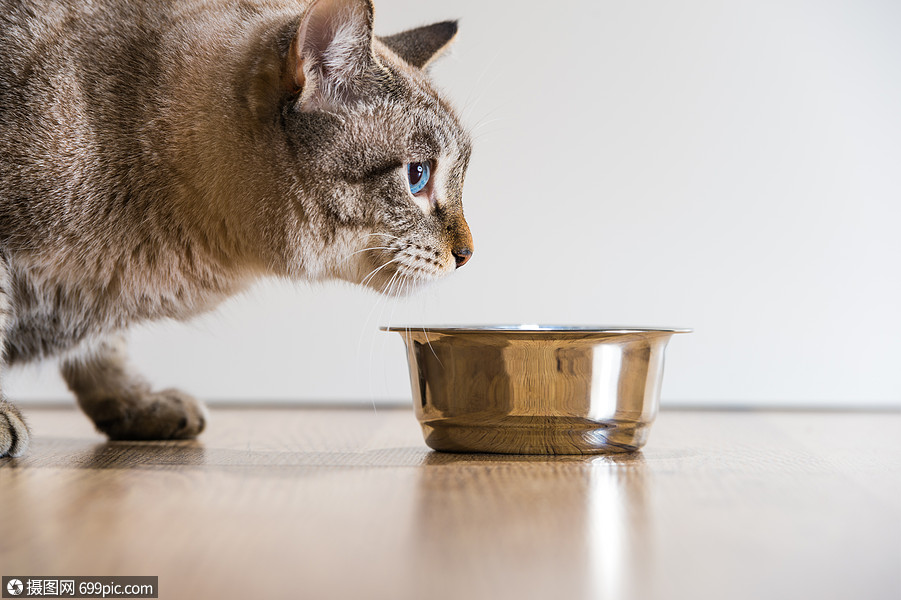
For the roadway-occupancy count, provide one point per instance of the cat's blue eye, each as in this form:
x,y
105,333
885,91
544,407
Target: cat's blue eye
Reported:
x,y
418,174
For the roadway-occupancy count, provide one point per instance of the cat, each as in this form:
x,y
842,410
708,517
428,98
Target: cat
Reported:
x,y
158,157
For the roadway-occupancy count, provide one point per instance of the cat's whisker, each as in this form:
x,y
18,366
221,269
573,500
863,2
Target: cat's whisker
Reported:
x,y
396,290
477,89
482,134
478,129
375,271
348,257
381,306
389,288
490,113
482,124
429,344
381,302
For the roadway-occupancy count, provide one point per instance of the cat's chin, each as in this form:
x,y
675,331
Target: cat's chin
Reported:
x,y
398,284
400,288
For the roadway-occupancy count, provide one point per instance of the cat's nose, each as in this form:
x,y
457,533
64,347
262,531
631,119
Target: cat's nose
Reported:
x,y
461,255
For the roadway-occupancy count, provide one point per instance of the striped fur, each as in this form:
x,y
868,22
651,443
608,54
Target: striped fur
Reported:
x,y
158,157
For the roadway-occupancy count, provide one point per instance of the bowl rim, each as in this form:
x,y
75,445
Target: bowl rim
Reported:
x,y
531,329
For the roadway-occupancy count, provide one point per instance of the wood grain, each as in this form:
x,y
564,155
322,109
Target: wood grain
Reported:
x,y
349,503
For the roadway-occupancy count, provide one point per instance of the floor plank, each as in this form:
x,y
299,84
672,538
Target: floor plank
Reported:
x,y
342,503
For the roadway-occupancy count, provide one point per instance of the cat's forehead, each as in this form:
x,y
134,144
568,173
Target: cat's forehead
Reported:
x,y
404,100
421,123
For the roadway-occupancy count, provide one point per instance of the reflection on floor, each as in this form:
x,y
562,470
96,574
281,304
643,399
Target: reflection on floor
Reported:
x,y
348,503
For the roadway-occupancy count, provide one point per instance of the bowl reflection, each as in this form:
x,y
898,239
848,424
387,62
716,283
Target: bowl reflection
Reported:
x,y
559,526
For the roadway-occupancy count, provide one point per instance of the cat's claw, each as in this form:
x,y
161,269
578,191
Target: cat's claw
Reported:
x,y
13,431
167,415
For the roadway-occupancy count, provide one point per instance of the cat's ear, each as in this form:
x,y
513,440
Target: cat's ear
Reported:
x,y
330,52
422,45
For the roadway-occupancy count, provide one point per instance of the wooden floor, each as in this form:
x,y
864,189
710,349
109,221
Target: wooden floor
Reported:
x,y
348,503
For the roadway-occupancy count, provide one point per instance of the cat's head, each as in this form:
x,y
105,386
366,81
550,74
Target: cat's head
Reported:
x,y
380,155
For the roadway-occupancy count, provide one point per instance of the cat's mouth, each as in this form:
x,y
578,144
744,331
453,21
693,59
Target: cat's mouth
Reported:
x,y
402,269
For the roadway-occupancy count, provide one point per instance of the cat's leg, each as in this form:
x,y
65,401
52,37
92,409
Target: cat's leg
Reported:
x,y
121,403
13,431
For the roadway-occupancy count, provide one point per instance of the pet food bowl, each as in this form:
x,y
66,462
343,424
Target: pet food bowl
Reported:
x,y
535,389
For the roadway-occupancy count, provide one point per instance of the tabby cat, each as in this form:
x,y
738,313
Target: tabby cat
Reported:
x,y
158,157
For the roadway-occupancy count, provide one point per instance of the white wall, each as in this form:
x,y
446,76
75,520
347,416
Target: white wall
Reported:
x,y
729,166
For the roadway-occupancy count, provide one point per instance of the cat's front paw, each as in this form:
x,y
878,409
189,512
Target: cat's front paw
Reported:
x,y
13,431
167,415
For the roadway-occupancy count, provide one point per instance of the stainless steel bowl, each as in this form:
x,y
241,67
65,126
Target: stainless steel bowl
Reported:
x,y
534,389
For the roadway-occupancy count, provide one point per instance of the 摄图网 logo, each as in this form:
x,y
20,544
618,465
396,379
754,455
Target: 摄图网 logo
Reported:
x,y
14,587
